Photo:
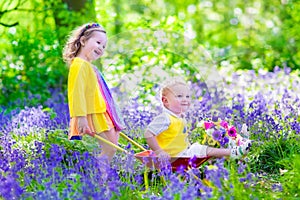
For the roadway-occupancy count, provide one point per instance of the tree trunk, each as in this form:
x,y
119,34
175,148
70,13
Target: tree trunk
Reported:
x,y
76,13
75,5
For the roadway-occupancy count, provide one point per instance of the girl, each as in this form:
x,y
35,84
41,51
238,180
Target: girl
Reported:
x,y
92,108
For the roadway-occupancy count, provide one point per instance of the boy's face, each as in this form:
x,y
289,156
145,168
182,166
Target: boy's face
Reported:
x,y
177,99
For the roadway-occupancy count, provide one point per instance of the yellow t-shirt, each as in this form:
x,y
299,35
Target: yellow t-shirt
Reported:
x,y
84,94
170,133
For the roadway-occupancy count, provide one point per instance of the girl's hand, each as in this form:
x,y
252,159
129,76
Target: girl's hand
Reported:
x,y
83,126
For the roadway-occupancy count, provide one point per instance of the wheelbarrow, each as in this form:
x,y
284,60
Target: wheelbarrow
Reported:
x,y
151,161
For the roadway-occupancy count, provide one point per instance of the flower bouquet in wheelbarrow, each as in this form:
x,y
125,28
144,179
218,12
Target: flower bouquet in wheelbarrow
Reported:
x,y
219,133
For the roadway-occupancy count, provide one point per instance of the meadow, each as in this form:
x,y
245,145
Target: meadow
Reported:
x,y
37,161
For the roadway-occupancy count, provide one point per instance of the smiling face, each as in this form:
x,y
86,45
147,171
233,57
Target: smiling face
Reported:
x,y
177,98
93,47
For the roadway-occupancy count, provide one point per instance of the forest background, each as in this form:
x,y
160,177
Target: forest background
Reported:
x,y
240,57
237,34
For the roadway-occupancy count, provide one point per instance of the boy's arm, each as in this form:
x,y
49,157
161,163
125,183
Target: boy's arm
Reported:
x,y
152,142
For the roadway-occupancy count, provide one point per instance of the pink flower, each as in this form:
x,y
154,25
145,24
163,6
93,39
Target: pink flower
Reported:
x,y
232,131
208,125
239,142
224,124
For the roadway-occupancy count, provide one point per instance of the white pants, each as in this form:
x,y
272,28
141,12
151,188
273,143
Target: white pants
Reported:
x,y
195,149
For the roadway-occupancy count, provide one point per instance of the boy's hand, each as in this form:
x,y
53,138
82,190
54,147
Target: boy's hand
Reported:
x,y
161,154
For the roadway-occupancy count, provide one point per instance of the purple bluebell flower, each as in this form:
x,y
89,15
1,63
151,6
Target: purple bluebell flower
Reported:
x,y
217,135
277,187
224,141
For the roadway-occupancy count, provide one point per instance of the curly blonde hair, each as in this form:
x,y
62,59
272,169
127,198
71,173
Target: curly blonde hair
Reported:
x,y
167,85
73,44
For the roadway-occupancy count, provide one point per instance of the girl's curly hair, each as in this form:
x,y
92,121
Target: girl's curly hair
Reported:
x,y
73,44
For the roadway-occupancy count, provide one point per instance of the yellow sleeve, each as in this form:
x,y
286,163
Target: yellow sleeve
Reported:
x,y
77,88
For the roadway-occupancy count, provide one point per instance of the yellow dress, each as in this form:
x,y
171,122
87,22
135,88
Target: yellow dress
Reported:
x,y
98,123
85,99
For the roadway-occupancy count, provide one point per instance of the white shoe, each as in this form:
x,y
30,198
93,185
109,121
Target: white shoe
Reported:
x,y
244,131
240,151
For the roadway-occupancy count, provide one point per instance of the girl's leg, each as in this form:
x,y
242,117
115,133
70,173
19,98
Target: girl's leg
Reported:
x,y
113,136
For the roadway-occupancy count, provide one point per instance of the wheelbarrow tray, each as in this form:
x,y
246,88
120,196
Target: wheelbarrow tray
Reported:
x,y
177,163
149,158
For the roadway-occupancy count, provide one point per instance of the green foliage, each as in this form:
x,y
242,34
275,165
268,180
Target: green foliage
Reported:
x,y
290,177
252,187
59,137
28,143
127,193
31,59
34,69
250,35
273,155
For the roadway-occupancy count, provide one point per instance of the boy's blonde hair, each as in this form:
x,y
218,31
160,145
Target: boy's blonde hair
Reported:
x,y
73,44
169,83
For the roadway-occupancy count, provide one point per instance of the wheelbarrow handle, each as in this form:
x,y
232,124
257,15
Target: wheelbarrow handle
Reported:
x,y
114,145
132,141
110,143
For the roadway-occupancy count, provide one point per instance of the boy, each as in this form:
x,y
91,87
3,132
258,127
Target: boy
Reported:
x,y
166,135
